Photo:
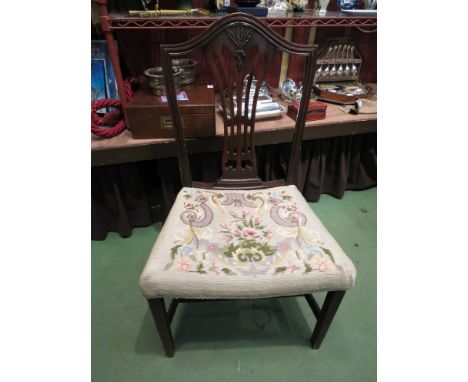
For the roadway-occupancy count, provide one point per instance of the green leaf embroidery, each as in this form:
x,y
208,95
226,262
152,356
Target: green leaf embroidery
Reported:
x,y
307,268
328,252
200,268
249,244
168,266
228,272
174,251
297,255
187,196
280,270
230,249
267,249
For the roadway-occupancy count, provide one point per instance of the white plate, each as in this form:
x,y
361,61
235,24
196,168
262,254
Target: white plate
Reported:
x,y
360,12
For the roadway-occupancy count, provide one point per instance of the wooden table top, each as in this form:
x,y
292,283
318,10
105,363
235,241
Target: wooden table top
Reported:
x,y
124,149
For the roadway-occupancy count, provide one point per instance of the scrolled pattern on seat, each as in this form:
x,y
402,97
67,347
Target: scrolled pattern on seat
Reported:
x,y
244,244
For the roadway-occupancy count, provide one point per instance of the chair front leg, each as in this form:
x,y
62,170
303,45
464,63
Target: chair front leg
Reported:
x,y
158,310
329,308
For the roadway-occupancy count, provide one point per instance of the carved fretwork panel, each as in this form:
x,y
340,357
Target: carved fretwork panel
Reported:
x,y
238,56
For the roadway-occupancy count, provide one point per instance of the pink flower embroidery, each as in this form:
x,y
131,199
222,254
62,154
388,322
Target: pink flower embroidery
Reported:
x,y
292,267
269,235
284,246
227,238
184,264
321,263
293,207
212,248
236,232
244,213
257,221
250,233
273,200
222,224
201,199
190,206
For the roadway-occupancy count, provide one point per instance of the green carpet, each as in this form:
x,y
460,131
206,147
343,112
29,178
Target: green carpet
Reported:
x,y
263,340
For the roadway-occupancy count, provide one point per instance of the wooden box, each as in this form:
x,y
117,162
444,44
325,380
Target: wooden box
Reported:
x,y
148,116
315,111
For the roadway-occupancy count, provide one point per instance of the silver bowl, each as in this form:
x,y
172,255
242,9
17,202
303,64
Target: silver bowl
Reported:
x,y
189,69
156,79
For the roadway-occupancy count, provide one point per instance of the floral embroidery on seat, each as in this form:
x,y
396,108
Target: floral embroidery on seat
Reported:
x,y
257,233
246,238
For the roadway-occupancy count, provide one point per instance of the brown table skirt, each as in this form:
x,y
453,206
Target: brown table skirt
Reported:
x,y
131,195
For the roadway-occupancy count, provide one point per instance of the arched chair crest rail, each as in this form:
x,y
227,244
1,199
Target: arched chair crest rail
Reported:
x,y
240,237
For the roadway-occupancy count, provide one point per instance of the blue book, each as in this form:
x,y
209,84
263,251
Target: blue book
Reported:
x,y
103,83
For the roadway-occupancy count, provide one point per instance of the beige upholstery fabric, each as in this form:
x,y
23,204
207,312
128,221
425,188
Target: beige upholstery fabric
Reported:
x,y
244,244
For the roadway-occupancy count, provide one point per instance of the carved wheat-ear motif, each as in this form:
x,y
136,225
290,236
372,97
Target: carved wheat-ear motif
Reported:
x,y
239,37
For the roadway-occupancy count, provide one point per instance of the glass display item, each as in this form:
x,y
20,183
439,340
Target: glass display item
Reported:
x,y
347,4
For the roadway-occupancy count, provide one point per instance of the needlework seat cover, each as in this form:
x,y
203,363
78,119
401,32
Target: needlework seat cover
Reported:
x,y
244,244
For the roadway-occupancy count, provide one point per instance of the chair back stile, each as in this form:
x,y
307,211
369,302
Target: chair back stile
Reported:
x,y
239,49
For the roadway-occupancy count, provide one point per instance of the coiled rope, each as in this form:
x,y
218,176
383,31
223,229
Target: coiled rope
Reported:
x,y
100,126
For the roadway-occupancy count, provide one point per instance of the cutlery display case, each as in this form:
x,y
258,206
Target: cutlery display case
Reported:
x,y
337,77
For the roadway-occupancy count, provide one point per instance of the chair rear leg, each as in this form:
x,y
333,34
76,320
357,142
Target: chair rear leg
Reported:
x,y
329,308
158,310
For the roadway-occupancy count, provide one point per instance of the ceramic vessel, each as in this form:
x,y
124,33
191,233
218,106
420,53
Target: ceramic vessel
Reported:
x,y
323,4
298,5
347,4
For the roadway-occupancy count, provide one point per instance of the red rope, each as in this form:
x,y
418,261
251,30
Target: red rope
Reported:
x,y
98,122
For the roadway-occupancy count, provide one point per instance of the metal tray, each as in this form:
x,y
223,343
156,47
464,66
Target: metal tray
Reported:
x,y
263,114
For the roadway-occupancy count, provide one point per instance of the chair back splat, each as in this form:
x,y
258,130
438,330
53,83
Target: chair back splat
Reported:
x,y
239,49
